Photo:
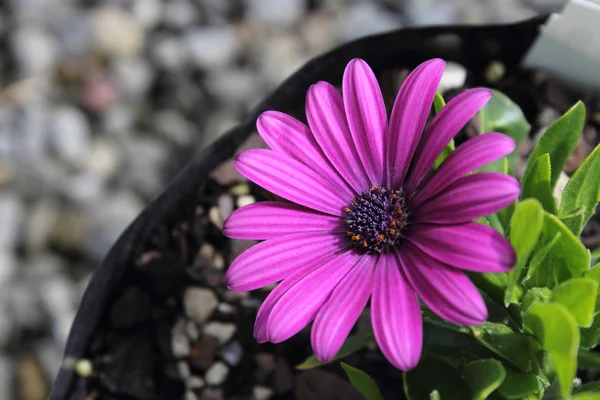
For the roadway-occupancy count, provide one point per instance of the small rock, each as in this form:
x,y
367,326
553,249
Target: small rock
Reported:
x,y
35,50
148,12
103,159
221,330
212,394
134,76
212,47
7,266
70,134
219,262
240,189
454,77
191,329
169,52
215,217
217,373
12,214
233,85
31,380
245,200
180,13
232,353
189,395
99,93
364,18
116,32
42,218
203,352
276,13
184,369
265,362
225,308
172,125
194,382
199,303
262,392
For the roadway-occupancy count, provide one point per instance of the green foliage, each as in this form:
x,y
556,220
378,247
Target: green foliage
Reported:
x,y
536,184
448,382
501,114
438,104
362,382
579,297
483,377
559,141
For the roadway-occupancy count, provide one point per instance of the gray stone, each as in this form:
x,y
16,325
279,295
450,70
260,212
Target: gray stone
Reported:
x,y
454,77
221,330
70,134
42,218
212,47
148,12
35,50
184,369
180,13
6,377
262,392
116,32
199,303
169,52
232,353
233,85
12,215
172,125
180,346
8,265
217,373
276,13
103,159
133,76
194,382
364,18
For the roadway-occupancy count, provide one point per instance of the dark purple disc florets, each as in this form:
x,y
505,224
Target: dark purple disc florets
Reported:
x,y
376,220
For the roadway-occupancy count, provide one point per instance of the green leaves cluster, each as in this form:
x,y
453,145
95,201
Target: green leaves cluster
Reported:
x,y
543,314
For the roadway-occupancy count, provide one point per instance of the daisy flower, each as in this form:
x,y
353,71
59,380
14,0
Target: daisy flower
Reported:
x,y
366,218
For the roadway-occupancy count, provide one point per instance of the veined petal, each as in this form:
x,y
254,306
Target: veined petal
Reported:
x,y
366,115
291,137
469,246
447,291
272,219
273,260
338,315
396,316
409,115
327,120
299,305
472,196
291,180
473,154
446,124
260,325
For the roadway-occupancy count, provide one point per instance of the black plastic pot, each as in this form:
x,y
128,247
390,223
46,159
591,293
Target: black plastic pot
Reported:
x,y
473,47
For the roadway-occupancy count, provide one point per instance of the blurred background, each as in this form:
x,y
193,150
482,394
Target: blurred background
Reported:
x,y
102,102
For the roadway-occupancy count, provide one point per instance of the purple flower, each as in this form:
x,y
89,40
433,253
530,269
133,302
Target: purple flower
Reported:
x,y
366,219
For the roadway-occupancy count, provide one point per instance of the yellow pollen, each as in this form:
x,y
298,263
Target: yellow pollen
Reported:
x,y
365,244
394,196
399,210
392,231
393,223
381,236
356,238
347,209
374,188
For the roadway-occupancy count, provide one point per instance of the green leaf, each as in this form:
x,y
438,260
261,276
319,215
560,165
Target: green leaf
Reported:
x,y
433,374
596,254
587,391
556,330
575,220
559,141
435,395
541,295
353,344
484,376
588,359
362,382
501,114
518,385
583,189
536,184
594,273
590,337
579,297
506,343
564,258
438,104
525,228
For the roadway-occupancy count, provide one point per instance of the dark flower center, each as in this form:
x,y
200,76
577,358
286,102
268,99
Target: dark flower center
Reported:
x,y
376,220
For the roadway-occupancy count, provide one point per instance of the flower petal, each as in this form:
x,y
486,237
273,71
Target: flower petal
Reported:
x,y
366,115
260,325
474,153
446,124
273,260
472,196
327,120
291,180
447,291
287,135
396,316
338,315
469,246
272,219
299,305
409,115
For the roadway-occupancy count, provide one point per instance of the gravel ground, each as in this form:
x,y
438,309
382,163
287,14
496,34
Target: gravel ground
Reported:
x,y
101,103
